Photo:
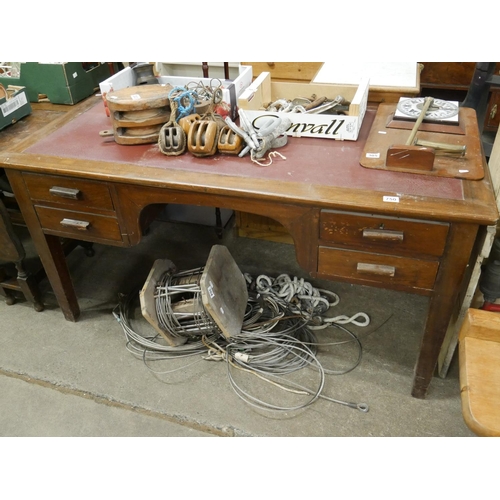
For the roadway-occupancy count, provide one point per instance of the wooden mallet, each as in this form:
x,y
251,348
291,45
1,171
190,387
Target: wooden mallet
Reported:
x,y
409,155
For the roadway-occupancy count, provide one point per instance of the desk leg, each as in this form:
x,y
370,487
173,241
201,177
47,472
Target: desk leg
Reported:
x,y
451,272
58,275
50,250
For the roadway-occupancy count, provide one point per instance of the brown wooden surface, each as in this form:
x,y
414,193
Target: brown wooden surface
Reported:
x,y
286,71
413,275
455,77
382,139
260,227
417,237
11,248
10,137
341,182
479,360
137,179
493,112
91,194
449,75
99,228
461,239
42,114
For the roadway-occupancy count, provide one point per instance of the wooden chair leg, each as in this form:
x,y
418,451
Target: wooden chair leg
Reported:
x,y
28,285
5,292
9,296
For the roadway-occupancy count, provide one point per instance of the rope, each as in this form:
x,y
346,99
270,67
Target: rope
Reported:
x,y
269,158
179,96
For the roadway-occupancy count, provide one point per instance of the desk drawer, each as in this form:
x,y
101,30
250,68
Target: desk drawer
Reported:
x,y
69,191
377,268
386,234
79,225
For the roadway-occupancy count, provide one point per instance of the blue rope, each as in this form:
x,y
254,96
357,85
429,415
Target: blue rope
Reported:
x,y
179,98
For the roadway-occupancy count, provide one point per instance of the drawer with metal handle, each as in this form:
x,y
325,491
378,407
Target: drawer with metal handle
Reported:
x,y
380,233
68,191
374,268
79,225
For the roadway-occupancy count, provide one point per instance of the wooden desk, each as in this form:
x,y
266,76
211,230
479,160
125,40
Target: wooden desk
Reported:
x,y
335,210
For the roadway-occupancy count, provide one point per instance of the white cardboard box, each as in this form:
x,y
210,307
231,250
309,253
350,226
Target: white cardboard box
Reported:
x,y
230,92
325,126
195,69
383,75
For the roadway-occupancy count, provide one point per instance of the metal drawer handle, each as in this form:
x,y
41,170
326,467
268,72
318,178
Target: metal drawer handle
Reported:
x,y
63,192
377,269
81,225
383,234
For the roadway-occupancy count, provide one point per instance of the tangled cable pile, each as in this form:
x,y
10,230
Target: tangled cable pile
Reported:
x,y
278,338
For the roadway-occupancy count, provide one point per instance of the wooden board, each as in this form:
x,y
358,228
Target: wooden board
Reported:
x,y
148,303
224,291
381,138
480,371
288,71
261,227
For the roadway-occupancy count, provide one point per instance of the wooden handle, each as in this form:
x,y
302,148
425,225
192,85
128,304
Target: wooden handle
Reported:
x,y
81,225
63,192
383,234
315,103
428,101
378,269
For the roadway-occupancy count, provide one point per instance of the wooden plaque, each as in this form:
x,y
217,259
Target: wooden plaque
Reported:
x,y
382,137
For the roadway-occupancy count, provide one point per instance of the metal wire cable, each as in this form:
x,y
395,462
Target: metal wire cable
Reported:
x,y
184,286
137,343
277,337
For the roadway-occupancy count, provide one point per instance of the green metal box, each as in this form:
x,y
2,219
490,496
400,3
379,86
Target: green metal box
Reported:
x,y
61,83
14,108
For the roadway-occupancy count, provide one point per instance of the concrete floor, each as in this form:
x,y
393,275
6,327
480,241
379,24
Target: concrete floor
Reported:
x,y
59,378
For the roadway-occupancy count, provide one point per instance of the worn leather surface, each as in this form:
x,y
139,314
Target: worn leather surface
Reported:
x,y
308,160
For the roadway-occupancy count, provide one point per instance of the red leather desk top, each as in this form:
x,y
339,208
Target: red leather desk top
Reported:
x,y
308,160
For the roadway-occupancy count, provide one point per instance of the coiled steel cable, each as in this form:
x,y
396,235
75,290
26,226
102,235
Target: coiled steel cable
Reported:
x,y
276,338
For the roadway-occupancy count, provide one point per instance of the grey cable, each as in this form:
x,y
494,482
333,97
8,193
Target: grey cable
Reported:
x,y
275,339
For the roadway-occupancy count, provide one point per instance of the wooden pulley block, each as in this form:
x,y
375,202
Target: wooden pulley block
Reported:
x,y
138,113
133,135
187,121
139,97
229,141
141,118
172,139
203,137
